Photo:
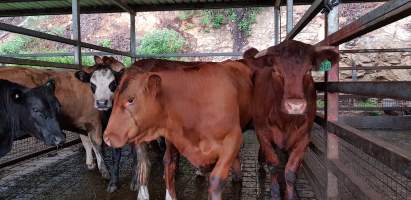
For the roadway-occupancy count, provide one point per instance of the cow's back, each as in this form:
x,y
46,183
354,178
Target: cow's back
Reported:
x,y
215,90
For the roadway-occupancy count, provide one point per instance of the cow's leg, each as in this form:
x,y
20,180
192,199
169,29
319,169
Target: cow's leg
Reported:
x,y
89,152
116,157
134,176
170,163
96,138
142,171
230,149
291,169
272,161
237,174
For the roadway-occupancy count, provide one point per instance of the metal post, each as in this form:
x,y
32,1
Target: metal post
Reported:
x,y
76,34
332,109
133,36
277,27
290,25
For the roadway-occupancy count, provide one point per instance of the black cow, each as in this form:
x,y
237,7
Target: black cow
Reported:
x,y
28,111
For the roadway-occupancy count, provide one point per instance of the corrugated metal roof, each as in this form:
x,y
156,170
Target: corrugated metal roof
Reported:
x,y
52,7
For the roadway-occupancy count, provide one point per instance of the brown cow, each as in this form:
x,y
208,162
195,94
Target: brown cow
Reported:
x,y
284,106
198,109
77,114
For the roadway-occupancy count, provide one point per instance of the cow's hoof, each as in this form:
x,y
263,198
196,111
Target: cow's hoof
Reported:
x,y
134,186
143,193
91,166
105,174
112,187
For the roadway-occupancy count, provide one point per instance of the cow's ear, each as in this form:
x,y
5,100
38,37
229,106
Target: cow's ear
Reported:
x,y
154,84
324,53
17,96
98,60
118,74
51,85
83,76
250,53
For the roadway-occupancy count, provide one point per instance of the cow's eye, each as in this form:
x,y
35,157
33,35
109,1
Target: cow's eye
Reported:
x,y
35,110
130,100
93,87
113,86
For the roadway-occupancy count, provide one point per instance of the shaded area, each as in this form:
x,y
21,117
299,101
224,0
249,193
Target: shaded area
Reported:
x,y
63,175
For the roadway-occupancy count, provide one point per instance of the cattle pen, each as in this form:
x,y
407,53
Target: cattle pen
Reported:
x,y
349,157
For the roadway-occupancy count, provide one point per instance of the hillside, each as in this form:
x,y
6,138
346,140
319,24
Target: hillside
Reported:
x,y
202,33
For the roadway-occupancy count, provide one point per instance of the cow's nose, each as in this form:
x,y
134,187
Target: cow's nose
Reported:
x,y
101,103
295,106
58,141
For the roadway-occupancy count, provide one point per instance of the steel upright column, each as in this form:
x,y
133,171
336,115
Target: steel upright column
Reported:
x,y
331,26
277,25
133,36
76,34
290,6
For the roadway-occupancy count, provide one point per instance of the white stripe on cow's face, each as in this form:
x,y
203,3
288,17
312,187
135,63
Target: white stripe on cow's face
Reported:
x,y
103,95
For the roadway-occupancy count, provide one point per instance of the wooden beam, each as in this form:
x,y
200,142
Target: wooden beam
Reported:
x,y
389,12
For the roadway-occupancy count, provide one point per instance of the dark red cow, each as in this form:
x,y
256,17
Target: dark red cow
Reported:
x,y
284,105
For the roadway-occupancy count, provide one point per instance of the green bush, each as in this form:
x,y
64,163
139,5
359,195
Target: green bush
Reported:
x,y
217,18
184,15
105,43
15,46
161,41
127,61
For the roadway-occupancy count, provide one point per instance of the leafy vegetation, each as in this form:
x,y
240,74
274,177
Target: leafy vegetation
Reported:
x,y
85,60
244,18
15,46
186,14
320,104
127,61
105,43
161,41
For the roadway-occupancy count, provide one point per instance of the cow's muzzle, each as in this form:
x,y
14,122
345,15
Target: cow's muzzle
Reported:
x,y
295,106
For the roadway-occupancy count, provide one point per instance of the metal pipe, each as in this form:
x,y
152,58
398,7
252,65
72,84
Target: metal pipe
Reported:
x,y
76,34
314,9
277,16
133,44
290,5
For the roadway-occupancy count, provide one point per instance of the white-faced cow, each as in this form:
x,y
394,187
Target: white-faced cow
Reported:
x,y
28,111
103,78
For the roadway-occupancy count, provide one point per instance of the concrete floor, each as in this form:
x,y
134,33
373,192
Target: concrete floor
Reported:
x,y
63,175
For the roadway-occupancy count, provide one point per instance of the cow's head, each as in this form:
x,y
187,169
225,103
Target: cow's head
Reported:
x,y
137,106
31,111
103,78
291,63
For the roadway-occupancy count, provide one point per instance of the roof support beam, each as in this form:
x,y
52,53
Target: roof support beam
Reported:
x,y
314,9
290,6
389,12
46,36
76,34
122,5
133,43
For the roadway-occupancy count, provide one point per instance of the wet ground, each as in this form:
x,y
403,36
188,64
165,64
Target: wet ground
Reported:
x,y
63,175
